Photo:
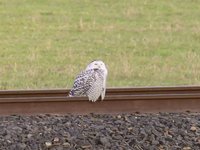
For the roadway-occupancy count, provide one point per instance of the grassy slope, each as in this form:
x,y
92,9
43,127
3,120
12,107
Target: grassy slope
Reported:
x,y
44,44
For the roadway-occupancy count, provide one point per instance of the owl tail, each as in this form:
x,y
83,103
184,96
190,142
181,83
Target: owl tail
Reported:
x,y
71,93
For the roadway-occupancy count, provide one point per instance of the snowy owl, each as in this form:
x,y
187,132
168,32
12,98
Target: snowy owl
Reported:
x,y
91,82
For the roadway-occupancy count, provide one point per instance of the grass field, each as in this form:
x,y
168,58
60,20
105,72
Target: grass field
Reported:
x,y
45,44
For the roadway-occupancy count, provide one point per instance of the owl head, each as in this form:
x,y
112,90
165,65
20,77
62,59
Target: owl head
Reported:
x,y
97,64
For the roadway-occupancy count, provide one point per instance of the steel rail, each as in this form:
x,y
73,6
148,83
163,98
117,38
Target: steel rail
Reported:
x,y
110,91
118,100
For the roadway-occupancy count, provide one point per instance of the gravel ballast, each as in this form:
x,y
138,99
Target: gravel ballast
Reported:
x,y
163,131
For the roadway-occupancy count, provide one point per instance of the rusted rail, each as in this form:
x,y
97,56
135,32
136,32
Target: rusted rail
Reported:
x,y
118,100
110,91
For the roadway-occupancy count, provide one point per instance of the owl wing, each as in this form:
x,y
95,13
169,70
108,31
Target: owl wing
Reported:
x,y
82,83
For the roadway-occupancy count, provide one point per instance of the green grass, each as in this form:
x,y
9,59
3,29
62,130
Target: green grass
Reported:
x,y
45,44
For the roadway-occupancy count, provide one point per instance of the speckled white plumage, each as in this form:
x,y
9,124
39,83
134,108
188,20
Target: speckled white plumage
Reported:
x,y
91,82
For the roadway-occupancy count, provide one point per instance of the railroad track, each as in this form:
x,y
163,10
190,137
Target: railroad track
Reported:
x,y
118,100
